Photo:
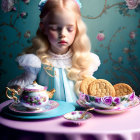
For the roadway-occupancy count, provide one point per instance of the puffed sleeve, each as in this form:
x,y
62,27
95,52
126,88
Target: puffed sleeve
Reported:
x,y
95,63
31,64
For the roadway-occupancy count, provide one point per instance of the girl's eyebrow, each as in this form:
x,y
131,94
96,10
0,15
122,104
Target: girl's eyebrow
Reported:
x,y
52,24
58,24
70,25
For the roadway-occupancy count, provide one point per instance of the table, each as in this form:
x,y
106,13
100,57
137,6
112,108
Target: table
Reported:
x,y
125,126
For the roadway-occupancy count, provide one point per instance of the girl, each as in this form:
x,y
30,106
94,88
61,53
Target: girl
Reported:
x,y
60,54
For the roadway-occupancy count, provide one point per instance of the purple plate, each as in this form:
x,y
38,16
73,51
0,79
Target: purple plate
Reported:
x,y
17,107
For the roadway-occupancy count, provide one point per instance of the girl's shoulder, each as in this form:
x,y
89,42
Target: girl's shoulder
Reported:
x,y
30,60
95,58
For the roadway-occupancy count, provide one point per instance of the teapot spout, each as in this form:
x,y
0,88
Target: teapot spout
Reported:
x,y
51,93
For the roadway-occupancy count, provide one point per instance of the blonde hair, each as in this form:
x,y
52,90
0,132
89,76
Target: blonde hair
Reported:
x,y
81,59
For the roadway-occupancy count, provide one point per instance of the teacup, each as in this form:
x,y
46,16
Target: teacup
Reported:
x,y
33,96
106,102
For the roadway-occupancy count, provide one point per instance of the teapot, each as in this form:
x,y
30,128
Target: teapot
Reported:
x,y
33,96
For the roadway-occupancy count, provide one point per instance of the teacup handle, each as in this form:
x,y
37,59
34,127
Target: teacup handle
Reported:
x,y
13,92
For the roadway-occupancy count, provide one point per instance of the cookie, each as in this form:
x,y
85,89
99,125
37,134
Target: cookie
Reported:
x,y
122,89
85,83
101,88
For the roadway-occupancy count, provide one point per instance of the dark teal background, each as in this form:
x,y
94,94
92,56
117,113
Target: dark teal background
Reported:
x,y
111,17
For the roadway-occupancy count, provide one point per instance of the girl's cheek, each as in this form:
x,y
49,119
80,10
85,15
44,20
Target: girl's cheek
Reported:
x,y
52,34
72,36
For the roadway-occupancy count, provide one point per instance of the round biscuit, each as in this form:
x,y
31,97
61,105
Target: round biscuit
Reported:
x,y
85,83
102,87
122,89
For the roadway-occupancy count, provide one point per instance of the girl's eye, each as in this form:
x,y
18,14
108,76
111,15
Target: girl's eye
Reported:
x,y
70,29
53,28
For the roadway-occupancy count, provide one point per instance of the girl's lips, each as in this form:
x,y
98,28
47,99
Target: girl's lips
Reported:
x,y
62,42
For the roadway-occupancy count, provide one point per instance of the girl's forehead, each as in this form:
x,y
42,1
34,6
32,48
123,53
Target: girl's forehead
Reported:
x,y
62,16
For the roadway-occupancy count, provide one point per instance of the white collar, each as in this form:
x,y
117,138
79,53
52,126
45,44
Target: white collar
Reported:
x,y
60,61
67,55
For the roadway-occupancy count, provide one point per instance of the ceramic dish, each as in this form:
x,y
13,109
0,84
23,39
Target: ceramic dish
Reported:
x,y
75,116
106,102
116,110
18,107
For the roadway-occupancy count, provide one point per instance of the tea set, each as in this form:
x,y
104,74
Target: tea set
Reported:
x,y
35,98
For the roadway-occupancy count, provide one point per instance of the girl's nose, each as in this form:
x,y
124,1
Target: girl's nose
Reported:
x,y
61,36
62,33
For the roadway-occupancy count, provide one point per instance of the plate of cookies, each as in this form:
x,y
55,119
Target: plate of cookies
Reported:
x,y
102,95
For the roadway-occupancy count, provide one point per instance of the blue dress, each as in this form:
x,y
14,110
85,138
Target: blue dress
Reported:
x,y
52,77
57,79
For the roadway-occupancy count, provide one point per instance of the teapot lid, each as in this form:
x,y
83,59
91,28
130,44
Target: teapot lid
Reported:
x,y
35,87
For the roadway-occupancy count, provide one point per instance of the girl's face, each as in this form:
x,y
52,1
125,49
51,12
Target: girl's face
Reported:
x,y
60,28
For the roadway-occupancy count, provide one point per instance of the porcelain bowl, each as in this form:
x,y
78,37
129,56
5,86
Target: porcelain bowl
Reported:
x,y
74,117
106,102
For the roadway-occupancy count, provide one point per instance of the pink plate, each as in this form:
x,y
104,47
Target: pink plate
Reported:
x,y
17,107
116,110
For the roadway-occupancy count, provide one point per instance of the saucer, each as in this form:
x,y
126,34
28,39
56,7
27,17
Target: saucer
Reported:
x,y
63,108
116,110
19,108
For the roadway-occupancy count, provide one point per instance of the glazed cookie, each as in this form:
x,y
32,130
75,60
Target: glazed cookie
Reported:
x,y
85,83
101,88
122,89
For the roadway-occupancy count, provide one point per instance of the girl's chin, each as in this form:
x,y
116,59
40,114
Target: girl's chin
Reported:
x,y
63,46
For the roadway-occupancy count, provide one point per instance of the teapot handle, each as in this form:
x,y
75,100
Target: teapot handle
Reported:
x,y
13,92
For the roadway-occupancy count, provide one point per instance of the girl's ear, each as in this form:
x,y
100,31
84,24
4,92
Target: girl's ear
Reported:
x,y
41,26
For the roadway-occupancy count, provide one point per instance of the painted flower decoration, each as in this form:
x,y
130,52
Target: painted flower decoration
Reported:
x,y
37,98
27,34
98,100
87,98
23,14
126,50
73,113
131,97
26,1
120,59
14,9
132,35
82,96
107,100
117,100
100,36
7,5
132,4
25,97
